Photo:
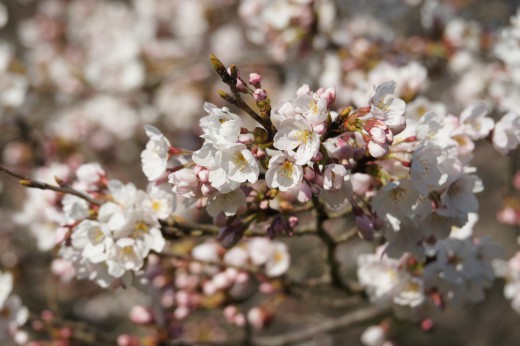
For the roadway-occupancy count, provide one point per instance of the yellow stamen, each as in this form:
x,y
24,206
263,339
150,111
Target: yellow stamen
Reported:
x,y
287,169
239,160
303,136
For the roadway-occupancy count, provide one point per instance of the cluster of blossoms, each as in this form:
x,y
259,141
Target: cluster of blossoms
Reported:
x,y
455,274
102,241
212,276
373,147
13,314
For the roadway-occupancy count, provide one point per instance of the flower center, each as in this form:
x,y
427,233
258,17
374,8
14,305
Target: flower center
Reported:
x,y
140,228
287,169
314,106
303,136
96,236
239,160
156,206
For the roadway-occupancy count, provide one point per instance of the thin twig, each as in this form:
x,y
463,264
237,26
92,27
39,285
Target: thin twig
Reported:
x,y
347,320
27,182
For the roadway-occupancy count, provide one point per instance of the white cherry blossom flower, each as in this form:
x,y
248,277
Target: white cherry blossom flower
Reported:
x,y
433,168
475,122
506,135
297,134
239,164
184,182
75,208
208,156
220,181
381,277
228,203
283,173
314,110
14,315
334,177
155,157
397,202
124,256
221,127
388,108
94,239
89,175
278,263
159,201
145,229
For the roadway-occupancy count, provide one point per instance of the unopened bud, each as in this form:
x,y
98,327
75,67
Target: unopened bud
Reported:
x,y
219,67
140,315
320,128
260,95
317,157
226,97
292,221
255,79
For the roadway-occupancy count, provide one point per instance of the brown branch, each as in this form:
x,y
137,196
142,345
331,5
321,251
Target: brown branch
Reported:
x,y
248,269
27,182
177,227
347,320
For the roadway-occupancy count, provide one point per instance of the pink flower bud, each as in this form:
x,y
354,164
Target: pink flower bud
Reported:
x,y
308,173
264,204
242,277
258,317
197,169
231,273
317,157
329,95
203,175
65,332
320,128
140,315
221,281
260,95
126,340
240,320
293,221
255,79
241,87
378,135
319,179
230,312
427,325
267,288
182,298
181,312
303,192
209,288
47,315
508,216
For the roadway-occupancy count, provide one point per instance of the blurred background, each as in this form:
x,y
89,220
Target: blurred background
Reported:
x,y
80,78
